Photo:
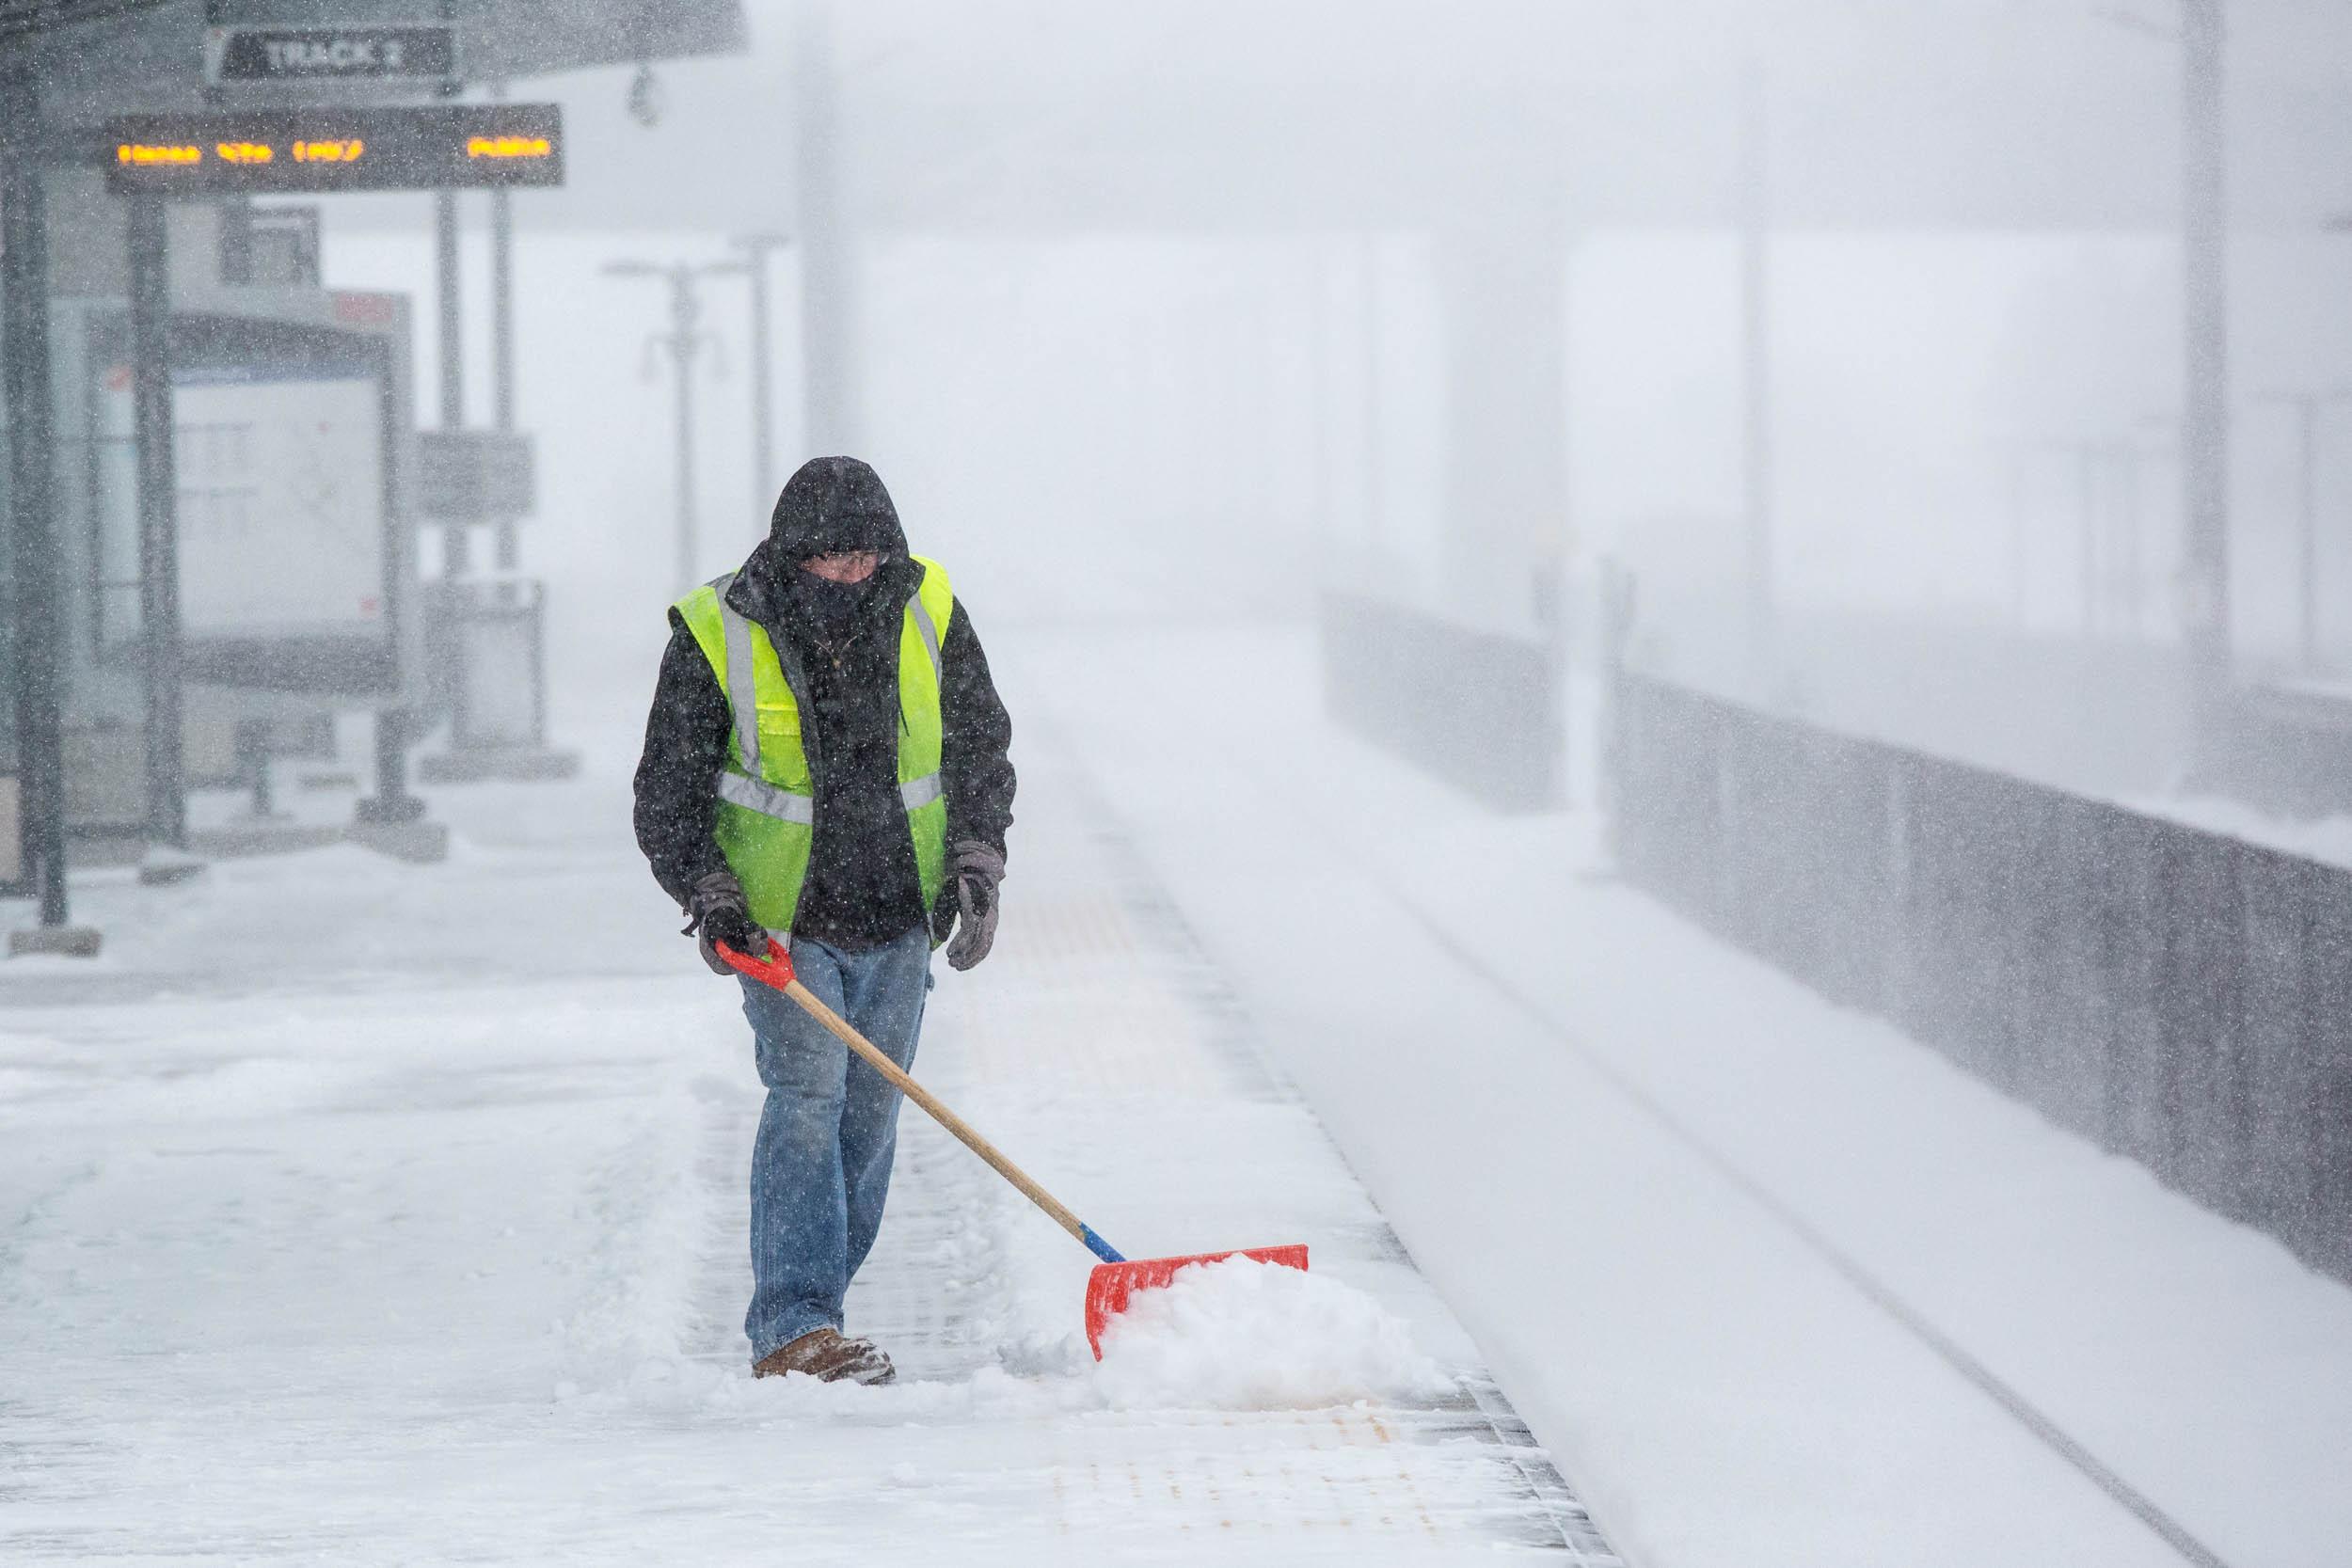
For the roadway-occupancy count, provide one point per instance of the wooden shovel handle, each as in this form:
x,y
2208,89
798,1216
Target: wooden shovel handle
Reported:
x,y
875,1058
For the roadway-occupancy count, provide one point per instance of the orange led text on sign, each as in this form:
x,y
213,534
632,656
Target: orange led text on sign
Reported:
x,y
245,151
144,152
344,151
508,147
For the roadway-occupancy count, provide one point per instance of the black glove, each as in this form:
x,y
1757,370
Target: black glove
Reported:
x,y
975,868
719,914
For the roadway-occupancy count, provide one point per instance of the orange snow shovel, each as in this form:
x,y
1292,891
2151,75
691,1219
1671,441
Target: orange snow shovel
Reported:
x,y
1115,1279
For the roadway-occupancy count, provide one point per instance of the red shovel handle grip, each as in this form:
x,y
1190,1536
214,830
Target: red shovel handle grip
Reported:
x,y
774,970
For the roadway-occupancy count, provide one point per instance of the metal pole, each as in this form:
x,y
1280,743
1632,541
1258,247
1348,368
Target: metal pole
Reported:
x,y
32,479
1756,363
763,391
2205,434
1373,467
159,524
392,802
763,373
2128,571
2307,538
2017,538
2087,525
454,538
682,314
1319,393
828,259
503,346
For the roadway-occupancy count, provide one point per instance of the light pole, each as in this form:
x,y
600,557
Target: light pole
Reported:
x,y
148,247
1756,357
757,247
2206,415
2205,405
456,539
2085,455
684,341
2307,406
508,547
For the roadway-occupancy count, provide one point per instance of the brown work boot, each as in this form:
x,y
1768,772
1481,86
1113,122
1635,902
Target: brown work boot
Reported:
x,y
824,1355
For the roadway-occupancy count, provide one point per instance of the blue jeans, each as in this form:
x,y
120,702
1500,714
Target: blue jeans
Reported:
x,y
820,1167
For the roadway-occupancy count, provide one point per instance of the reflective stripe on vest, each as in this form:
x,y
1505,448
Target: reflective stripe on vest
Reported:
x,y
766,799
930,635
740,684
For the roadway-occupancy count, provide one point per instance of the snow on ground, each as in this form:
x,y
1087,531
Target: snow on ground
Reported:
x,y
1568,1104
353,1212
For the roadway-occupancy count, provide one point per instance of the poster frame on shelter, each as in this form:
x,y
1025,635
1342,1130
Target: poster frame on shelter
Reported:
x,y
367,667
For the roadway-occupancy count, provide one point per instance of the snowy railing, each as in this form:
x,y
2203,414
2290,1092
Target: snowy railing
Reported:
x,y
2179,996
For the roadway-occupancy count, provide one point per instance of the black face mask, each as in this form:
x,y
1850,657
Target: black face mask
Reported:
x,y
831,606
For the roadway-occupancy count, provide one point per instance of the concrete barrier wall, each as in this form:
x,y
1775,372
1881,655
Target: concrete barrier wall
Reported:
x,y
2180,997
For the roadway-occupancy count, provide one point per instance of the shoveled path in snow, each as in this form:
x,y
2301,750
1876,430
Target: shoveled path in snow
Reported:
x,y
375,1213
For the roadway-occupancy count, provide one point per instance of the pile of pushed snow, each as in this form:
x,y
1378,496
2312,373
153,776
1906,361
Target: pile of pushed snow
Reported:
x,y
1241,1335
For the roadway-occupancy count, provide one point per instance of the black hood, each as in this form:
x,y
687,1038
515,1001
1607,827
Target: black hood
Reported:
x,y
834,504
831,504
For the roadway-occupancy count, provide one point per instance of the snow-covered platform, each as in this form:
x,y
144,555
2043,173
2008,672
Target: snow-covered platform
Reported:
x,y
360,1213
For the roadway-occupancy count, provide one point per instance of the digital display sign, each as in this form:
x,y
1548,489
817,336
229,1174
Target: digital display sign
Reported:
x,y
260,151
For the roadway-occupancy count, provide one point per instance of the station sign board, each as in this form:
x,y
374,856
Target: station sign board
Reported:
x,y
291,549
266,151
240,55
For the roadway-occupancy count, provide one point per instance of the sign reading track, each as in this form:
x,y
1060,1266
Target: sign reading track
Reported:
x,y
332,54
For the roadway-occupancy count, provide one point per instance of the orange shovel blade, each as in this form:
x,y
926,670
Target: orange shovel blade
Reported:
x,y
1113,1284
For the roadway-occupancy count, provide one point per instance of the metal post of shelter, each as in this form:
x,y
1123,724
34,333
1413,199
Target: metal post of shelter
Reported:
x,y
159,528
452,363
32,500
503,346
455,538
508,546
391,804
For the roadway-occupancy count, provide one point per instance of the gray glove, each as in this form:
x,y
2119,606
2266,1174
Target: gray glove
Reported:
x,y
719,914
977,868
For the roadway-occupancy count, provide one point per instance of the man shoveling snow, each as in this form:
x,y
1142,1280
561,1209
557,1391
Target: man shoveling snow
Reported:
x,y
825,767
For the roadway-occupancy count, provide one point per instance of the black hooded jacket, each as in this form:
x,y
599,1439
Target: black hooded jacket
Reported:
x,y
839,651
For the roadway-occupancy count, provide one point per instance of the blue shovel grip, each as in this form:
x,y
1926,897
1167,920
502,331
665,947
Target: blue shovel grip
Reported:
x,y
1098,1247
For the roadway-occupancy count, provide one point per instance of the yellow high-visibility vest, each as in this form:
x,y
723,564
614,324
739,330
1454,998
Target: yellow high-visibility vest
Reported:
x,y
767,804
